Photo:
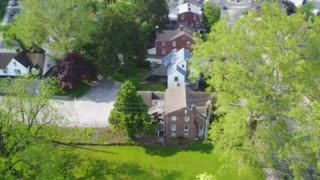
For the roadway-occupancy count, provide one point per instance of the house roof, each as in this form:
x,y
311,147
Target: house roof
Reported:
x,y
168,35
160,71
177,57
5,59
174,5
183,97
31,59
188,7
148,96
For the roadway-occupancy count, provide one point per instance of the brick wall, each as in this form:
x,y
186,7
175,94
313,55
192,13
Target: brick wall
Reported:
x,y
180,123
180,42
192,19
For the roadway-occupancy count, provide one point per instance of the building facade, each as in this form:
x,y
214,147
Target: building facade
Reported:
x,y
167,40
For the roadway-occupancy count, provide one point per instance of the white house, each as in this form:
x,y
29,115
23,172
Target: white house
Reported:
x,y
177,63
18,64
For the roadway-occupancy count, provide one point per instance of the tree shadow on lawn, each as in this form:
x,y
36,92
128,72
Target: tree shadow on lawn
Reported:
x,y
100,169
165,151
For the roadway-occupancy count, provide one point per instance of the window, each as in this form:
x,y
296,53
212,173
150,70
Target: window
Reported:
x,y
182,65
191,24
17,71
48,65
197,24
173,44
173,118
186,134
188,43
187,118
195,17
163,51
163,43
186,111
5,71
201,128
186,128
173,134
14,63
173,127
176,78
182,17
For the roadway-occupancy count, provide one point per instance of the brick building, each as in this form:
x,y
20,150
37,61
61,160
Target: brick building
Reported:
x,y
190,14
167,40
182,113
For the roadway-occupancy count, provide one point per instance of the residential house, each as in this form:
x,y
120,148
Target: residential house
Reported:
x,y
174,8
190,14
167,40
177,63
173,70
14,64
182,113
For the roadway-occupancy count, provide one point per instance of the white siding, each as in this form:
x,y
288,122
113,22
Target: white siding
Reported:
x,y
172,82
12,67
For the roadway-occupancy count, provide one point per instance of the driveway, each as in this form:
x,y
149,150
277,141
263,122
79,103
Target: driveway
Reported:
x,y
92,109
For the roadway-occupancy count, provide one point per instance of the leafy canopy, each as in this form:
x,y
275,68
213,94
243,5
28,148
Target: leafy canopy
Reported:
x,y
130,113
264,71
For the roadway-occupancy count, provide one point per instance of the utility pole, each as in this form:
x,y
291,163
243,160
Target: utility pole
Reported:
x,y
207,119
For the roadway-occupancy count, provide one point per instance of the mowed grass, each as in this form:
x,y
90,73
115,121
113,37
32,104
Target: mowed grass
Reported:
x,y
136,162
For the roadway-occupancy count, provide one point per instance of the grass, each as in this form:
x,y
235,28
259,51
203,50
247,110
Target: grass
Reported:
x,y
137,76
136,162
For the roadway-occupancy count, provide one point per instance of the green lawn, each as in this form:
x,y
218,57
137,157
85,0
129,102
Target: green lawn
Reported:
x,y
137,76
134,162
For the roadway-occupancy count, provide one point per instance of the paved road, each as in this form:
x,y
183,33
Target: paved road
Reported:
x,y
92,109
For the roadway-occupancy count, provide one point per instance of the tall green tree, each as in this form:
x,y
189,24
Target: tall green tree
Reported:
x,y
64,25
264,71
119,43
211,14
130,113
24,152
151,13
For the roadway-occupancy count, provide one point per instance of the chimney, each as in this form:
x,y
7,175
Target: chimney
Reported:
x,y
180,27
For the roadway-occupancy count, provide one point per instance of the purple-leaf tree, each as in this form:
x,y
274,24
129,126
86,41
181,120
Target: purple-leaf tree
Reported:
x,y
74,70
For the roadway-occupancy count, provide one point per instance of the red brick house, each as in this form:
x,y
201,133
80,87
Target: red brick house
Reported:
x,y
182,113
167,40
190,14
